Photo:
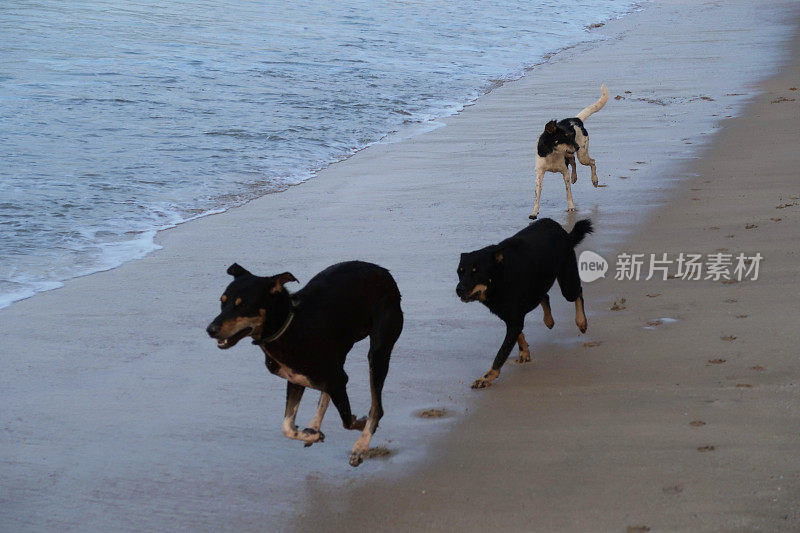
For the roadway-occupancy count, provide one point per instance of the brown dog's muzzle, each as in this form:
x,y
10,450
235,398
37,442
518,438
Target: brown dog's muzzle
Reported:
x,y
231,331
478,292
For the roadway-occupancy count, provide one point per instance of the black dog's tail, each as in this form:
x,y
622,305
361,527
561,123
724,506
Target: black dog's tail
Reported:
x,y
579,231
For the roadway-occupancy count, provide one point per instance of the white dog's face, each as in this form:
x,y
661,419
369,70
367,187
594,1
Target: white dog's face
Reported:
x,y
557,138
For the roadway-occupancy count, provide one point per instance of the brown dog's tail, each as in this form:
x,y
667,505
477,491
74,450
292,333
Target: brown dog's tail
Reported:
x,y
586,112
580,230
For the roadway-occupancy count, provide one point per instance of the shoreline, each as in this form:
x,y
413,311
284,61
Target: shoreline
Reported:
x,y
593,438
147,423
145,243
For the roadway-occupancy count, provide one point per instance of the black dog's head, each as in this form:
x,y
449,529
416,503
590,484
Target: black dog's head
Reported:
x,y
476,271
247,305
557,138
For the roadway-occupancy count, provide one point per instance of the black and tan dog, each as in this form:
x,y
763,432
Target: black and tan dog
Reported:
x,y
512,278
306,336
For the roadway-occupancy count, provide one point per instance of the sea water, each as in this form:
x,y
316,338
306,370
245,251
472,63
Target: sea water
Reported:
x,y
118,119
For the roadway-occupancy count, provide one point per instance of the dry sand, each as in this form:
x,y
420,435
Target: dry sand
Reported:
x,y
118,413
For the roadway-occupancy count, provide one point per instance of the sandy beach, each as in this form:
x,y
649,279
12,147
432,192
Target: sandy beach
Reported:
x,y
678,414
118,412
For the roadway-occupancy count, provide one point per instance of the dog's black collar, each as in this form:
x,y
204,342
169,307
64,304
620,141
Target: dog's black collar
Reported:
x,y
278,334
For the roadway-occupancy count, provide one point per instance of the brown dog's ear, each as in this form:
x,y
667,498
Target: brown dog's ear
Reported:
x,y
550,127
235,270
279,280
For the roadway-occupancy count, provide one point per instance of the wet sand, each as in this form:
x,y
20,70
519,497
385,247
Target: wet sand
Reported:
x,y
677,413
118,412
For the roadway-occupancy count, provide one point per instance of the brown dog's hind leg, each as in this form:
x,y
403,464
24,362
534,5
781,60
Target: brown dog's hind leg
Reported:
x,y
378,366
524,350
570,282
580,315
548,313
387,325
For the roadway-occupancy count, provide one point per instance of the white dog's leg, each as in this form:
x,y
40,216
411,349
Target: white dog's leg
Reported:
x,y
539,182
570,205
571,162
583,157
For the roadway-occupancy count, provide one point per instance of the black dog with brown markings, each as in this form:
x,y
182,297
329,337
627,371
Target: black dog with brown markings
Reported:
x,y
512,278
306,336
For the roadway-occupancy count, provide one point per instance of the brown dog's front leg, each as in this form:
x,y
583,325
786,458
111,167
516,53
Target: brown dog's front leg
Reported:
x,y
486,380
316,422
513,331
322,406
294,393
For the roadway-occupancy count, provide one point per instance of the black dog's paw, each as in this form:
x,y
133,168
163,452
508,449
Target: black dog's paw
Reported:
x,y
486,380
320,436
481,383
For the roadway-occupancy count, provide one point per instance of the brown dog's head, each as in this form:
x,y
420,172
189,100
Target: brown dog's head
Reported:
x,y
247,304
475,272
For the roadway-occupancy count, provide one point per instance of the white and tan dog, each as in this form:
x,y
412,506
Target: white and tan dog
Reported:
x,y
559,144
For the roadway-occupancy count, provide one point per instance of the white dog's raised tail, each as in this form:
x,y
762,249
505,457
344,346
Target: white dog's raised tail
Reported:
x,y
595,107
